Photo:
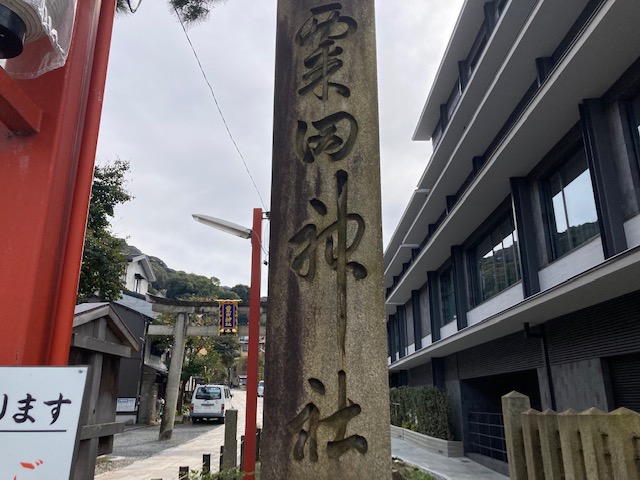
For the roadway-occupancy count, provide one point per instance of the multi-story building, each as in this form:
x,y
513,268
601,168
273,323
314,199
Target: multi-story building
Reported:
x,y
516,264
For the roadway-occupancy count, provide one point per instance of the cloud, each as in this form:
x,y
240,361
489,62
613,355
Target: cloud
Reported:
x,y
160,115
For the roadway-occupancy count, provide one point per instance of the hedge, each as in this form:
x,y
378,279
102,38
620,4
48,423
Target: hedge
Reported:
x,y
425,410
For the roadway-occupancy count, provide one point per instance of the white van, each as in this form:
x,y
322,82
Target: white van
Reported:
x,y
210,401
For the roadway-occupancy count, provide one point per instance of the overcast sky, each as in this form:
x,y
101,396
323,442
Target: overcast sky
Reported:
x,y
160,115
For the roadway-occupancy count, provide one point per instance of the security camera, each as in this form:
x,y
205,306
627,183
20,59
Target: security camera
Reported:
x,y
12,33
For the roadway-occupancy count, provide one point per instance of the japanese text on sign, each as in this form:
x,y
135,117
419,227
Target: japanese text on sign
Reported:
x,y
39,415
322,39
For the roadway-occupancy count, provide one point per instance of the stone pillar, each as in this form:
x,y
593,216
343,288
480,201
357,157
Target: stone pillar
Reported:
x,y
595,450
571,443
147,410
230,455
532,451
513,404
550,445
326,402
624,427
173,380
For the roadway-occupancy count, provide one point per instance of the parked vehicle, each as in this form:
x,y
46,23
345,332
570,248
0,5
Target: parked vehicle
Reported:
x,y
261,388
210,402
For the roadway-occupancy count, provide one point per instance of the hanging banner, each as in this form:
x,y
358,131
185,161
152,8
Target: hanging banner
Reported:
x,y
228,317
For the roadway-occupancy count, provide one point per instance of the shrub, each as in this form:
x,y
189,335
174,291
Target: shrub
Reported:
x,y
425,410
233,474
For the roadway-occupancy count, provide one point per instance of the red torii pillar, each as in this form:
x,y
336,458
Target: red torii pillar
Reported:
x,y
48,137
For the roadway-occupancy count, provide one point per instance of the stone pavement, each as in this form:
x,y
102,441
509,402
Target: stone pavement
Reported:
x,y
166,464
444,467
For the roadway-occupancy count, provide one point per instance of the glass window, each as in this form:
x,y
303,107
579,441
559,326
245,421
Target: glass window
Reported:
x,y
209,393
477,49
496,260
636,115
447,296
635,122
453,100
437,134
573,218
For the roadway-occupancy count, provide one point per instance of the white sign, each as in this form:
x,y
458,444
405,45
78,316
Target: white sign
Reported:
x,y
39,416
126,405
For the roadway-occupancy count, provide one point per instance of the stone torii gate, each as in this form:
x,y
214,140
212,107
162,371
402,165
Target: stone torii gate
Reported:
x,y
180,331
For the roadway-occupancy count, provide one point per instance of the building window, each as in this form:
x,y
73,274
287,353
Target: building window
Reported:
x,y
453,100
635,123
495,260
137,283
447,296
571,207
437,134
477,48
498,6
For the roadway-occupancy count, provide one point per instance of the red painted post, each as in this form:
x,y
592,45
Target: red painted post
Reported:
x,y
45,180
254,342
84,179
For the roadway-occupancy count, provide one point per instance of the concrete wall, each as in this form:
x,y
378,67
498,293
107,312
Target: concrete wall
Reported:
x,y
579,260
580,385
452,389
503,300
421,376
632,231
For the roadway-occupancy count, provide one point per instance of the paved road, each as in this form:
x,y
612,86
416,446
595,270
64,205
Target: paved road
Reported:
x,y
138,443
140,456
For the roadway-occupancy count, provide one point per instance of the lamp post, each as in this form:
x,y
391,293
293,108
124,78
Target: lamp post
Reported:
x,y
254,328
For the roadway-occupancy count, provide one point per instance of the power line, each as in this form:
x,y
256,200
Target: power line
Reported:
x,y
184,29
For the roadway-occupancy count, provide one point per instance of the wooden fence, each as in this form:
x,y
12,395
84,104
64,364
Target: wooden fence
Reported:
x,y
591,445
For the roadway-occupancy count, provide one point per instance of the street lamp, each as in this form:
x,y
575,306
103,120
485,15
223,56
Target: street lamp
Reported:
x,y
229,227
254,327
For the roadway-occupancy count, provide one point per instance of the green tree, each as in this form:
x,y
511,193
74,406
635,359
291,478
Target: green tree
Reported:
x,y
243,292
173,284
207,358
183,285
201,361
103,260
228,346
190,11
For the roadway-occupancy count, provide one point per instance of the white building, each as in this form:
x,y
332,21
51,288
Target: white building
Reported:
x,y
139,274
